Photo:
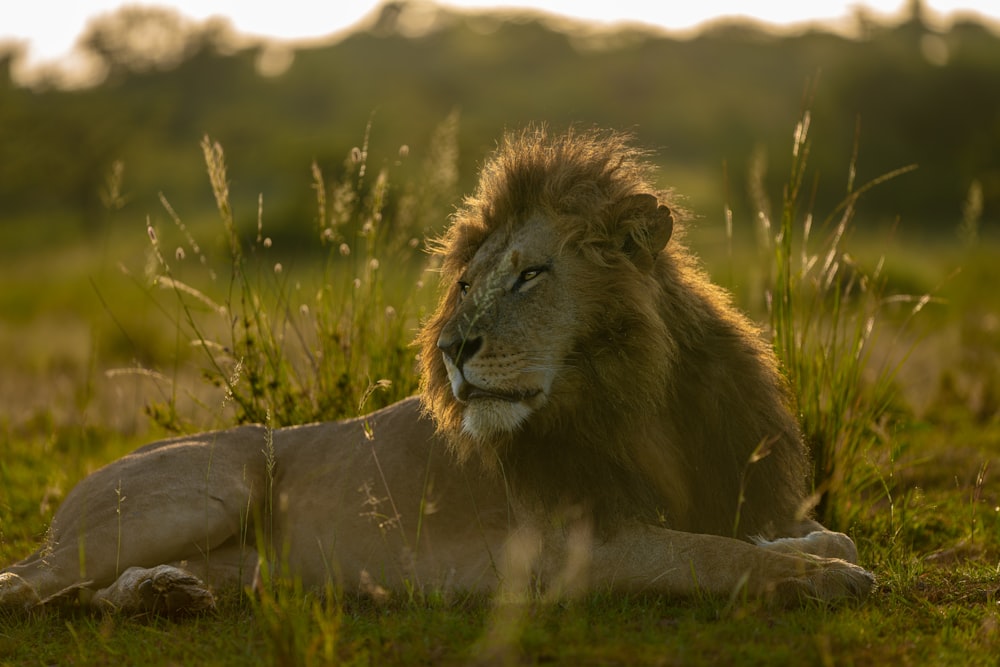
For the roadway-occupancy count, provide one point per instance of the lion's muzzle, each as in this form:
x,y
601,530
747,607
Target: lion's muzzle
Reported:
x,y
457,351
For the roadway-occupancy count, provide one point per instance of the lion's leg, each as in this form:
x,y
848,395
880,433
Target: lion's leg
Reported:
x,y
169,503
32,580
233,563
649,558
183,585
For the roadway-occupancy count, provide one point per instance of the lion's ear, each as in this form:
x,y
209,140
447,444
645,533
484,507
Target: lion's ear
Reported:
x,y
646,239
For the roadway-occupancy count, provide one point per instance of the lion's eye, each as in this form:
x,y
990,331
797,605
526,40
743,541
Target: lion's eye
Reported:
x,y
463,288
528,275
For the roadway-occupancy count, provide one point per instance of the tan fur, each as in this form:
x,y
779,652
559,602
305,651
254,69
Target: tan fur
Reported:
x,y
666,385
593,410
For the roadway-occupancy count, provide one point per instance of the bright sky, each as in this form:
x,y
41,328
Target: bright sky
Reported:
x,y
50,27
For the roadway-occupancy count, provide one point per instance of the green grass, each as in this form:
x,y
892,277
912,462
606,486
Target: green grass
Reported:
x,y
909,452
946,616
826,315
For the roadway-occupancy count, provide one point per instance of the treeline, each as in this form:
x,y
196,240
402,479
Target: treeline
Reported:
x,y
715,108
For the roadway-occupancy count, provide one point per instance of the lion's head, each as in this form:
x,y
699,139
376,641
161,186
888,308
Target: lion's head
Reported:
x,y
577,345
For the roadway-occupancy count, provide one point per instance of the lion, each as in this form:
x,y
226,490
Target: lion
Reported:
x,y
593,414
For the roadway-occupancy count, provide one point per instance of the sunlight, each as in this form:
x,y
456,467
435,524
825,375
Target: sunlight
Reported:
x,y
44,38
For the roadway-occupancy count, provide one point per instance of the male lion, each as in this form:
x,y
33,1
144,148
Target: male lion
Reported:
x,y
591,407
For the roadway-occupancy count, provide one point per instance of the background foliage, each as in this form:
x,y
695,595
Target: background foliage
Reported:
x,y
724,96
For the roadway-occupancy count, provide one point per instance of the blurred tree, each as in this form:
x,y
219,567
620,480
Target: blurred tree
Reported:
x,y
137,39
724,95
8,54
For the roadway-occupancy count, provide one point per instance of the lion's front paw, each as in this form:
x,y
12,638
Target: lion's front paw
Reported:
x,y
825,580
823,543
163,589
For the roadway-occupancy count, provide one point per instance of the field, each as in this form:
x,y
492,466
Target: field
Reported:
x,y
198,324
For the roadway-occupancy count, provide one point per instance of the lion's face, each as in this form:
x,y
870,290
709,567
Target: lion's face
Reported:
x,y
550,294
505,343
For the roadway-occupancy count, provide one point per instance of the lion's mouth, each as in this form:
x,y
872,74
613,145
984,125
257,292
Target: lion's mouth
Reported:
x,y
467,393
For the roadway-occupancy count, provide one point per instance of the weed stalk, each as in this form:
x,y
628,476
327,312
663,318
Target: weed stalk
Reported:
x,y
825,316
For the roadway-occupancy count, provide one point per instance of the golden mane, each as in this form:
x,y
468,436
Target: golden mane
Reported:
x,y
576,178
676,410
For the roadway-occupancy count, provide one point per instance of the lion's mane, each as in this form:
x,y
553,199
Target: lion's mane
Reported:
x,y
676,411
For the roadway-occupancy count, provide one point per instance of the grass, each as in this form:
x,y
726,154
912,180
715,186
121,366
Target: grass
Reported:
x,y
914,484
285,351
942,619
826,315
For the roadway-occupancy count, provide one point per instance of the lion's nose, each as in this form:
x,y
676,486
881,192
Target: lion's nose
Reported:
x,y
460,350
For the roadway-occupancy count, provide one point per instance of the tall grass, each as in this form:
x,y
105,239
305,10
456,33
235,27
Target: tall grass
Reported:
x,y
291,348
827,315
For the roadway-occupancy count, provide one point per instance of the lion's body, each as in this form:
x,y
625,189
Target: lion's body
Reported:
x,y
580,374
